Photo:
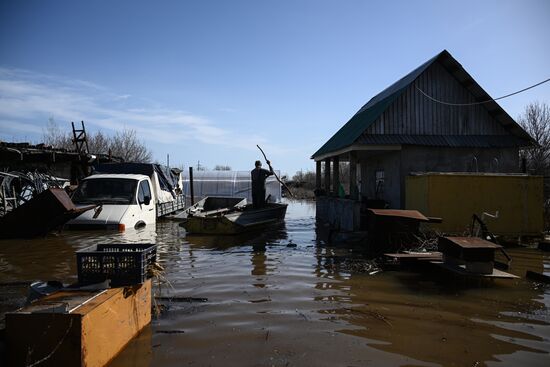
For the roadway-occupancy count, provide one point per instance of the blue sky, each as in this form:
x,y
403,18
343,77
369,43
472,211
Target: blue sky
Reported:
x,y
208,80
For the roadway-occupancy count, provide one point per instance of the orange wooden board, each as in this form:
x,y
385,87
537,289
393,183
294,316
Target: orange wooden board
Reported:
x,y
96,328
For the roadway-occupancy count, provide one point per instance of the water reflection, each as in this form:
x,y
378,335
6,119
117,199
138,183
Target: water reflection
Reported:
x,y
284,297
266,237
435,321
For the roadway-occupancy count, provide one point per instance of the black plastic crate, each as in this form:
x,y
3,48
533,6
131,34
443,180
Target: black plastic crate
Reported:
x,y
123,264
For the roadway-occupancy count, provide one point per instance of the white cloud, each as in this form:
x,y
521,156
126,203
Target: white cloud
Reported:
x,y
13,126
28,99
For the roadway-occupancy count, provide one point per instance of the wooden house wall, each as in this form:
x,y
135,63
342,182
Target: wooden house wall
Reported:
x,y
414,114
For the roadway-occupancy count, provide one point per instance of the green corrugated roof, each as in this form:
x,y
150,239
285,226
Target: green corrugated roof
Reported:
x,y
368,114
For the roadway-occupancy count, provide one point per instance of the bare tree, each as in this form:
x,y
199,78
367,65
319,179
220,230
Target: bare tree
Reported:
x,y
536,121
99,143
52,135
220,167
124,144
304,179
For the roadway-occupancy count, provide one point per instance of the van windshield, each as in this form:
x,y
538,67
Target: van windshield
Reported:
x,y
106,191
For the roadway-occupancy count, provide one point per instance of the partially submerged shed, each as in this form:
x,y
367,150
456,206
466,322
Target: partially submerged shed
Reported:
x,y
405,129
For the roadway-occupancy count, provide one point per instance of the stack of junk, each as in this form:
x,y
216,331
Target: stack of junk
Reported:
x,y
123,195
88,323
467,257
39,215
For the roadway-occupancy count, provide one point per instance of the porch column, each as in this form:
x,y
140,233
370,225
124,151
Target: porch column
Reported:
x,y
336,175
353,176
318,175
327,176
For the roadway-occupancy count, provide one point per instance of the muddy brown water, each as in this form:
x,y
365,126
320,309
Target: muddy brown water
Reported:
x,y
284,297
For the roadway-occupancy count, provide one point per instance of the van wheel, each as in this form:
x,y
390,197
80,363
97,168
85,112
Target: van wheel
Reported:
x,y
140,224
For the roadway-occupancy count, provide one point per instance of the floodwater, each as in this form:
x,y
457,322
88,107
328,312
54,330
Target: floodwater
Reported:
x,y
283,297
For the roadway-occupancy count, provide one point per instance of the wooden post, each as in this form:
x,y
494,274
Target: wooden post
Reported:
x,y
318,175
353,176
336,175
327,176
191,188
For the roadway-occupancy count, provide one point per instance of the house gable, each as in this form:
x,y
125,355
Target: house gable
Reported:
x,y
412,113
401,111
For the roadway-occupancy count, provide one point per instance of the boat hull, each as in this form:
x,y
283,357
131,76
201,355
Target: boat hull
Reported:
x,y
236,222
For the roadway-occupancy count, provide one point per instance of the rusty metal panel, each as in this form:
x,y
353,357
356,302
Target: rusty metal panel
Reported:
x,y
41,214
63,198
471,242
396,213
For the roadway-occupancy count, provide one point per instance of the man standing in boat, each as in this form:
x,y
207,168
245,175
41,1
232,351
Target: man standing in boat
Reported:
x,y
259,175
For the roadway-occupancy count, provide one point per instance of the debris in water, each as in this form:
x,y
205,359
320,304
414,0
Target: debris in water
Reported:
x,y
170,331
537,276
181,299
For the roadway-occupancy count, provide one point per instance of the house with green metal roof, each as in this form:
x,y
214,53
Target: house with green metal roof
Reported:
x,y
437,118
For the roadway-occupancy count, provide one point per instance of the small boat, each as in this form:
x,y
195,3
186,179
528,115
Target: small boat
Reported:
x,y
226,215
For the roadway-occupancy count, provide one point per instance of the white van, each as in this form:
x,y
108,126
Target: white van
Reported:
x,y
123,201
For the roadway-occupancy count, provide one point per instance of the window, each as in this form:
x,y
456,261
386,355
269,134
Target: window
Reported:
x,y
106,191
144,191
379,182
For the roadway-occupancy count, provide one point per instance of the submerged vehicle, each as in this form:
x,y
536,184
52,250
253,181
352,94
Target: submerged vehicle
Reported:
x,y
123,201
128,195
228,215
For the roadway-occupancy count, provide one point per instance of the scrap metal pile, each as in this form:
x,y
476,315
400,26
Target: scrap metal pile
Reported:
x,y
17,188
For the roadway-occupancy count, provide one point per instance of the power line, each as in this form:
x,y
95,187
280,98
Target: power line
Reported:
x,y
482,102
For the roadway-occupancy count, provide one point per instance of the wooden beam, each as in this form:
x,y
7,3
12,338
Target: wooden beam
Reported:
x,y
358,147
327,176
353,175
318,175
336,175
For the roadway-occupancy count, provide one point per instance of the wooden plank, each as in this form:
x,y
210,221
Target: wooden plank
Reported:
x,y
432,87
417,107
90,331
445,86
426,108
460,270
416,256
129,309
398,213
472,242
410,110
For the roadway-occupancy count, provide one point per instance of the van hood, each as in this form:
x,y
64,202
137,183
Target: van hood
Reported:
x,y
108,214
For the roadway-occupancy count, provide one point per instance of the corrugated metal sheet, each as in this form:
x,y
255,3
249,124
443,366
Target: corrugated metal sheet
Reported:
x,y
455,197
375,108
455,141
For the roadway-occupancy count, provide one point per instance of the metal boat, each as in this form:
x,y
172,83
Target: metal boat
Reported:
x,y
227,215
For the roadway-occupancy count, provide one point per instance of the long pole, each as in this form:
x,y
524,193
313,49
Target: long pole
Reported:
x,y
274,174
191,188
